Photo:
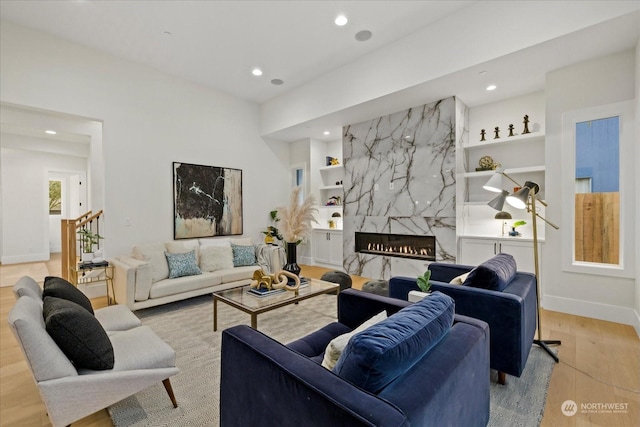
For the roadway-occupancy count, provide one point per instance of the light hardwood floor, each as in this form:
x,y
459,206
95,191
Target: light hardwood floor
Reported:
x,y
599,364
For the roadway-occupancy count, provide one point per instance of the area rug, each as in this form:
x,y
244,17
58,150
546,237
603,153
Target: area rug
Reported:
x,y
188,327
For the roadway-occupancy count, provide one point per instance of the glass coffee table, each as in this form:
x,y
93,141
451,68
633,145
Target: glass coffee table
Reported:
x,y
253,305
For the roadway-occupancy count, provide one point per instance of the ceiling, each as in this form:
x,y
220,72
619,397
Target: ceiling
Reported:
x,y
218,43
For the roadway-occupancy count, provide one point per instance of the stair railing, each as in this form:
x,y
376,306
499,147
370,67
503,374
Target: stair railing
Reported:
x,y
72,247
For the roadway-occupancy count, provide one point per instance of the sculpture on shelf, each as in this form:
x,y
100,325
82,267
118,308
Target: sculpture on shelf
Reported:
x,y
526,125
497,132
487,164
482,135
511,130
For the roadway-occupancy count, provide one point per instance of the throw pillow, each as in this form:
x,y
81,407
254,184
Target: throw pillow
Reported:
x,y
153,253
60,288
494,274
181,265
78,334
459,280
183,246
214,258
335,348
385,351
243,255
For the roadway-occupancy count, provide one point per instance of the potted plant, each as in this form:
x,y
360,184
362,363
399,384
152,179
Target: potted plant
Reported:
x,y
272,231
423,282
87,239
513,231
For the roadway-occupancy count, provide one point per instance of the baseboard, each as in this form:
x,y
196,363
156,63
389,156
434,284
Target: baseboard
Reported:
x,y
19,259
611,313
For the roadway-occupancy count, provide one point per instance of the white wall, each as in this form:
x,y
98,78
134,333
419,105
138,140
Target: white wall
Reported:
x,y
25,196
637,162
471,36
598,82
150,120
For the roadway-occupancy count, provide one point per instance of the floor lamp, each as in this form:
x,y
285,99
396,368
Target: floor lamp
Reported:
x,y
525,198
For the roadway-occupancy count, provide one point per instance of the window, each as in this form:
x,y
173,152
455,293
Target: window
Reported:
x,y
55,197
597,159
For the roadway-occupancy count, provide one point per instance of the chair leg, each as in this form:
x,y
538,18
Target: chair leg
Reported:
x,y
167,386
502,378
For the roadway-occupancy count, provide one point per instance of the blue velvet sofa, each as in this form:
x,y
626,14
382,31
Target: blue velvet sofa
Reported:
x,y
509,311
266,383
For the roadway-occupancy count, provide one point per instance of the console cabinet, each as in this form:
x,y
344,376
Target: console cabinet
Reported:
x,y
476,250
327,247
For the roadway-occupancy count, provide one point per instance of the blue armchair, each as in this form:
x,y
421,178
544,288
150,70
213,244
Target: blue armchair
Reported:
x,y
510,312
267,383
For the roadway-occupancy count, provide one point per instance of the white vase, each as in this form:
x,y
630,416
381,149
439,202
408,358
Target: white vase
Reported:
x,y
87,256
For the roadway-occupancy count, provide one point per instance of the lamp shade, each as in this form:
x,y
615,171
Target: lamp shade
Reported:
x,y
498,202
519,199
494,184
503,215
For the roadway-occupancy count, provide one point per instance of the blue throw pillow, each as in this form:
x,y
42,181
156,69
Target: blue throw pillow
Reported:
x,y
184,264
383,352
243,255
494,274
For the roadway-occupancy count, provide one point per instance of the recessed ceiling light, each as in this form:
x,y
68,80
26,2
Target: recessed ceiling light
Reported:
x,y
341,20
167,33
491,87
50,132
326,132
363,36
277,82
256,72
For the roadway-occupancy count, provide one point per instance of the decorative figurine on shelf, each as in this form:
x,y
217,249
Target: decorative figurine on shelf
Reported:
x,y
487,164
526,125
497,131
334,161
511,130
482,135
333,200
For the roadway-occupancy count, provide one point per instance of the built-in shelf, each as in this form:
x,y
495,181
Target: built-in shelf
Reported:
x,y
332,167
330,207
509,171
506,140
331,187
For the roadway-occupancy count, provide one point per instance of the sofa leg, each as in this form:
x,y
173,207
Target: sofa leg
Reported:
x,y
502,378
167,386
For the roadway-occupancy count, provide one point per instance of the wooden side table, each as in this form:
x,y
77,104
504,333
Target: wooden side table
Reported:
x,y
86,273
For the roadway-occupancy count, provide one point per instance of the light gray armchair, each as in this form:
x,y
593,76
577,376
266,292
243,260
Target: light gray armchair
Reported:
x,y
141,359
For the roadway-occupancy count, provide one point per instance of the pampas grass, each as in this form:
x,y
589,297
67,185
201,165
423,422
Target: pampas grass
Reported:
x,y
295,219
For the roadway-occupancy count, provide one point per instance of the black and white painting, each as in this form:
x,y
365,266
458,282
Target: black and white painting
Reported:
x,y
207,201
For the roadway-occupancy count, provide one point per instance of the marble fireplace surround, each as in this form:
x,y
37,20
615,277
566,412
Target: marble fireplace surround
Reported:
x,y
400,179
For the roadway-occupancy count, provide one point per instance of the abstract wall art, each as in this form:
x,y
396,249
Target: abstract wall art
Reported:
x,y
207,201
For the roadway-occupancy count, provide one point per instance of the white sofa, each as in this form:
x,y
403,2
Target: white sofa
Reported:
x,y
141,280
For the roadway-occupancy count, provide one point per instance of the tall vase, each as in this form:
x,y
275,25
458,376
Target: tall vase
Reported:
x,y
292,266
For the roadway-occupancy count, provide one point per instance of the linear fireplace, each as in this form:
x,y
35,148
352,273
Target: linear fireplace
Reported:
x,y
398,245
